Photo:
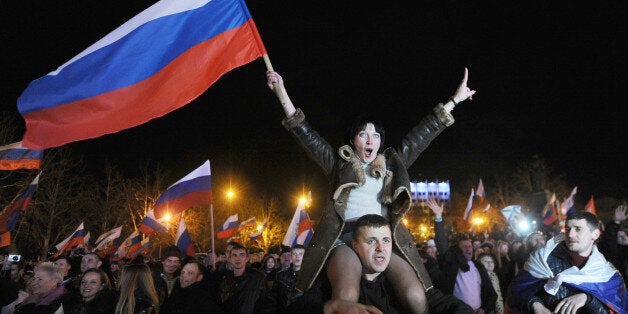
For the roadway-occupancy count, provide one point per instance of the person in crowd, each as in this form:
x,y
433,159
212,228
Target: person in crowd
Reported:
x,y
192,296
613,242
519,255
534,241
551,284
225,265
283,289
137,293
11,280
239,290
171,260
269,269
366,181
431,249
47,292
504,266
64,263
372,241
285,259
96,296
467,279
488,261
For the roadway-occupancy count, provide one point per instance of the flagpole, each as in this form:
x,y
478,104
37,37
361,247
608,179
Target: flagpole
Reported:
x,y
211,214
269,67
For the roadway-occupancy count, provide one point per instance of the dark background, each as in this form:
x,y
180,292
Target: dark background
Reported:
x,y
549,77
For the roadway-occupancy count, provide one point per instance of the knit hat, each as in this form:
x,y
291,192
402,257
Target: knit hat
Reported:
x,y
172,250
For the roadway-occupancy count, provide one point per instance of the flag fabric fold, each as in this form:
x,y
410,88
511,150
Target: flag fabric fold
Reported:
x,y
106,241
590,206
229,228
183,240
192,190
158,61
550,213
467,211
10,217
151,225
567,206
141,249
15,156
77,238
248,222
260,231
480,193
131,244
5,239
512,212
300,230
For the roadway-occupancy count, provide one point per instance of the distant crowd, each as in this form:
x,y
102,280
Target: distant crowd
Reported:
x,y
469,274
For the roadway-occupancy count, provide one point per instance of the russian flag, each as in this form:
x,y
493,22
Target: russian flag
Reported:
x,y
567,206
184,242
590,206
228,228
193,190
123,248
150,224
77,238
300,230
480,193
260,230
248,222
550,214
10,217
157,62
467,211
15,156
136,250
107,240
132,244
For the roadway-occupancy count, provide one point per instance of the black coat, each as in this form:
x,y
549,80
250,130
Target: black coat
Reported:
x,y
193,299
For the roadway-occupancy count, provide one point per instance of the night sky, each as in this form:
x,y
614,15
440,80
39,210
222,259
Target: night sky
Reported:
x,y
547,75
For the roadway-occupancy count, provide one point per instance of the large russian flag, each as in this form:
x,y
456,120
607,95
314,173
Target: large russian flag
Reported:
x,y
10,217
15,156
193,190
157,62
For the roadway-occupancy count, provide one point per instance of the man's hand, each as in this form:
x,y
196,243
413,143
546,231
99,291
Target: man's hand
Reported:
x,y
435,207
348,307
571,304
539,308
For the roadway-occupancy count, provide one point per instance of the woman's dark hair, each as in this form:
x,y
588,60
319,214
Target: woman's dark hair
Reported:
x,y
359,125
104,279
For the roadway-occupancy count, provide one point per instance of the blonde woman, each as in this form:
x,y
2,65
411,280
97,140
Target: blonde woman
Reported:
x,y
137,291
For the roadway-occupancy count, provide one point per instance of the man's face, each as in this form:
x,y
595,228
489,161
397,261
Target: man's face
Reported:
x,y
579,237
467,249
63,265
431,251
297,257
286,259
366,143
239,258
189,275
171,265
89,261
374,247
536,241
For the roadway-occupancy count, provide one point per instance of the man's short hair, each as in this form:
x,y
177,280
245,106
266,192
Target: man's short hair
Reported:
x,y
297,246
95,255
370,220
60,257
202,270
238,246
591,219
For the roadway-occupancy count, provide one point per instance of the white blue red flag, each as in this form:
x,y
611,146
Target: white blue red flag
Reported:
x,y
300,230
143,248
567,207
467,211
10,217
184,241
151,225
550,213
229,228
105,241
248,222
260,231
77,238
480,193
193,190
590,206
15,156
158,61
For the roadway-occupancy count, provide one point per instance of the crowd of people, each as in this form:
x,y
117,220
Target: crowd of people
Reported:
x,y
469,273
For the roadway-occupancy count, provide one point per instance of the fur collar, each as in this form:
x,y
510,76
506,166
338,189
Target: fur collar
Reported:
x,y
378,166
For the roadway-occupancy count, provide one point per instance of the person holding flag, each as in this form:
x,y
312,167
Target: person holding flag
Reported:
x,y
366,180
